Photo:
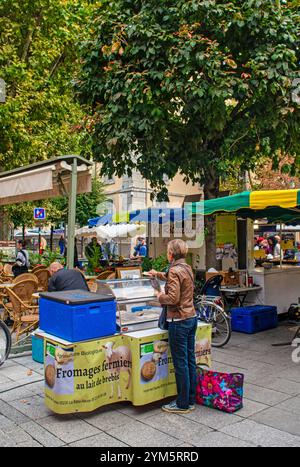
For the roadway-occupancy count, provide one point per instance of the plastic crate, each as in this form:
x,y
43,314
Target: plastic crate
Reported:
x,y
77,315
37,348
252,319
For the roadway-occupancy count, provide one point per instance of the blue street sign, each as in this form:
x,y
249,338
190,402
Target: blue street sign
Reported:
x,y
39,214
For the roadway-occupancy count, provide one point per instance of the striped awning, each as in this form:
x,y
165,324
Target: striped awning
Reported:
x,y
276,205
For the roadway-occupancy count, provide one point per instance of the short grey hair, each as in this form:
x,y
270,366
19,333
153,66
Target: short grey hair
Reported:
x,y
178,248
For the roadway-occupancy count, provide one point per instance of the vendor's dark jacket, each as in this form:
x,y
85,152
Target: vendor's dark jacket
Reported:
x,y
67,279
179,291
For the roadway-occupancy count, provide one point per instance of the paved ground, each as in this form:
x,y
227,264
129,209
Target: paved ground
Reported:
x,y
271,416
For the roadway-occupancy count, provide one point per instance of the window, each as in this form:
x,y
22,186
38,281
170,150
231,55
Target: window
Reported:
x,y
108,180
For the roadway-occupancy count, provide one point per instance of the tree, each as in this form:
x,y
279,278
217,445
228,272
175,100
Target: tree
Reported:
x,y
21,215
191,86
37,60
38,56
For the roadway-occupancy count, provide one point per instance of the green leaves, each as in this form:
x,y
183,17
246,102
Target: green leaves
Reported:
x,y
200,85
38,55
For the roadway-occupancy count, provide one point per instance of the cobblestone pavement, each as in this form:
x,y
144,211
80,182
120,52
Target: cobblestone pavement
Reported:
x,y
270,417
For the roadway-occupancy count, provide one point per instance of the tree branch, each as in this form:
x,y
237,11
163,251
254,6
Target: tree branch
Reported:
x,y
26,47
56,64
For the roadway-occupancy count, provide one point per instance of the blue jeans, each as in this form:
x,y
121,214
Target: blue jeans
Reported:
x,y
182,345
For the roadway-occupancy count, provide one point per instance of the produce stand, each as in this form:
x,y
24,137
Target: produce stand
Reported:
x,y
81,378
279,284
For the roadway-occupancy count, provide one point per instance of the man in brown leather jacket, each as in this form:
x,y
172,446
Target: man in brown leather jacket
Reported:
x,y
181,315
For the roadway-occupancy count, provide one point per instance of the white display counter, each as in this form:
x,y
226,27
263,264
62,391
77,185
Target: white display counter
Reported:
x,y
280,287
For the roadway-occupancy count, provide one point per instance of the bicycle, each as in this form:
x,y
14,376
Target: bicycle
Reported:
x,y
211,310
5,342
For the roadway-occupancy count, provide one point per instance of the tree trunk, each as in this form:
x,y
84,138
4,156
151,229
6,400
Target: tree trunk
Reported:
x,y
211,191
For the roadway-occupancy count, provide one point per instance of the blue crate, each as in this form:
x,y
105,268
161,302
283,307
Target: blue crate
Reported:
x,y
37,348
252,319
77,315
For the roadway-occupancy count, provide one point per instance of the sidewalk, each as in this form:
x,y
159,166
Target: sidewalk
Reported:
x,y
271,416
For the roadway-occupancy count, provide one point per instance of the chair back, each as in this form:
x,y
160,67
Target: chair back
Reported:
x,y
111,276
25,276
21,293
43,276
7,269
37,268
105,275
212,286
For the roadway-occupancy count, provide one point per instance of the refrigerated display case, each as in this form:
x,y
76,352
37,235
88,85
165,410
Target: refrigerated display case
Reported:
x,y
137,305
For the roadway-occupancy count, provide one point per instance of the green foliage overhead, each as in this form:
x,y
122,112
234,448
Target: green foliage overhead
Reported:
x,y
38,56
190,85
86,204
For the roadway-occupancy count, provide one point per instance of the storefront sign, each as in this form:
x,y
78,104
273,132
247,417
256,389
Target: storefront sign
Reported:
x,y
136,367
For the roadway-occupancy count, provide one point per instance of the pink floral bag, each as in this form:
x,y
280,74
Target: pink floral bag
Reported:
x,y
222,391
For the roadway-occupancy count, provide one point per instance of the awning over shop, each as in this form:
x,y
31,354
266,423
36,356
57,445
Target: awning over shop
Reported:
x,y
43,180
275,205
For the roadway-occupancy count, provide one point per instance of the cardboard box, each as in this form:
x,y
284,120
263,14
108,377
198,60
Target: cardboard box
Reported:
x,y
231,278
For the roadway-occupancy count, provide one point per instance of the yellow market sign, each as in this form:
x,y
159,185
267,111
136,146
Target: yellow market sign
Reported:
x,y
135,367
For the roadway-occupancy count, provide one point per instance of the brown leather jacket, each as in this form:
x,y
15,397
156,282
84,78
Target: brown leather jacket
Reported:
x,y
179,290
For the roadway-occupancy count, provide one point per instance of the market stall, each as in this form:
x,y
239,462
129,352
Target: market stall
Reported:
x,y
130,360
278,282
122,235
135,367
160,226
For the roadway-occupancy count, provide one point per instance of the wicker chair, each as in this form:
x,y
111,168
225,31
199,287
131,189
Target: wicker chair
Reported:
x,y
20,307
43,276
109,274
7,269
37,268
92,285
26,276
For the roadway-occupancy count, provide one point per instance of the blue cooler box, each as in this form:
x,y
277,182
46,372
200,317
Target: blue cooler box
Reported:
x,y
37,348
251,319
77,315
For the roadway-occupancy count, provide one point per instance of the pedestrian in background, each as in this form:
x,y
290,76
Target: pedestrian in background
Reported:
x,y
22,263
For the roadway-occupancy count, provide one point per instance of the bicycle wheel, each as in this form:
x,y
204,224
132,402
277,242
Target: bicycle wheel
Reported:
x,y
221,328
5,342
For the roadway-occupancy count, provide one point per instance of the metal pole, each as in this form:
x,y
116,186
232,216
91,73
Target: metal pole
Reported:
x,y
39,248
280,245
72,216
